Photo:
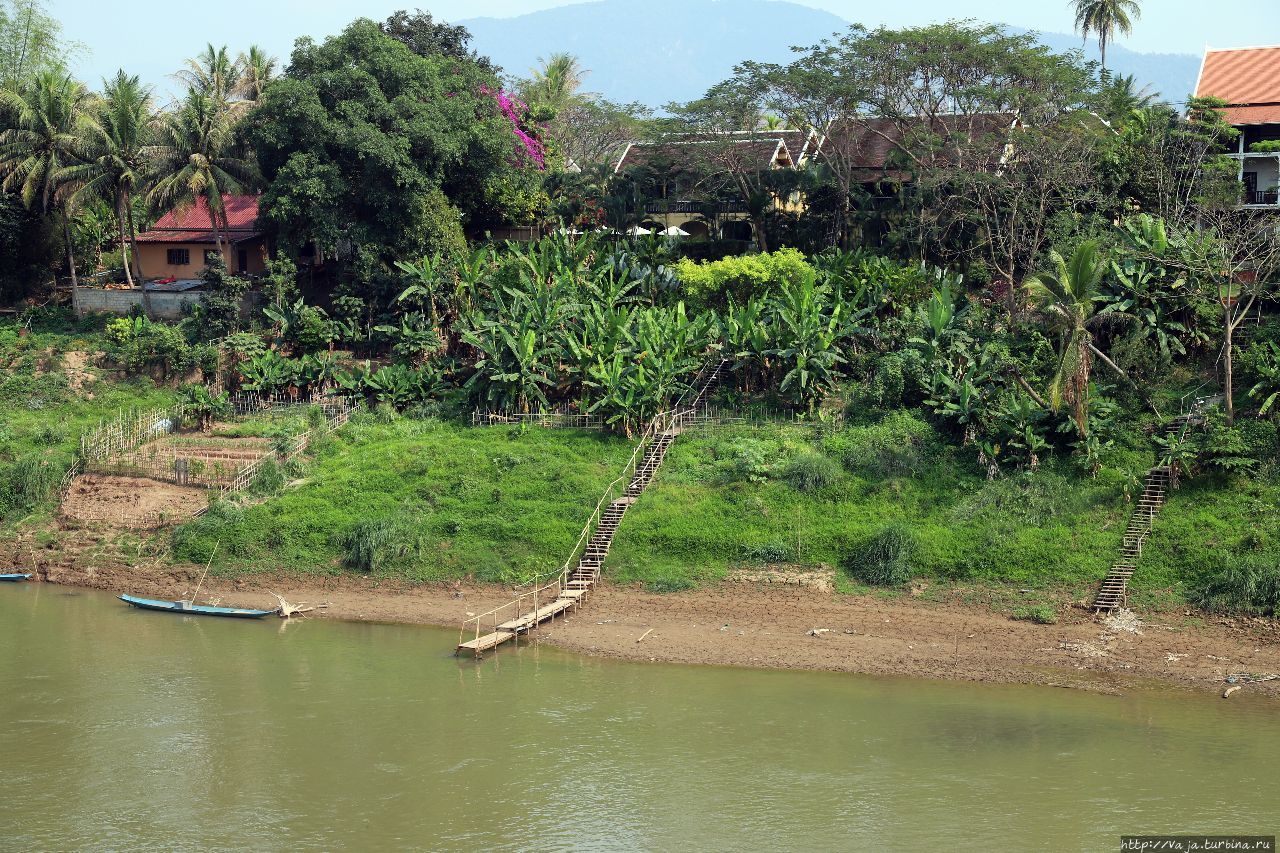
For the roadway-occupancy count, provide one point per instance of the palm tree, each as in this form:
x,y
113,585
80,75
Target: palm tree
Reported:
x,y
113,158
1105,18
557,81
257,69
47,124
214,75
196,158
1068,295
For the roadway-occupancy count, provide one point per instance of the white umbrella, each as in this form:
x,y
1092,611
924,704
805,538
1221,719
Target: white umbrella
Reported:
x,y
675,231
638,231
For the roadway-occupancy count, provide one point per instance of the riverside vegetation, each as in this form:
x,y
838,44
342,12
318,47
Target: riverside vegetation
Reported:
x,y
978,352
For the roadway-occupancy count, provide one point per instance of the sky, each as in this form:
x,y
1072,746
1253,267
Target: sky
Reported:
x,y
152,37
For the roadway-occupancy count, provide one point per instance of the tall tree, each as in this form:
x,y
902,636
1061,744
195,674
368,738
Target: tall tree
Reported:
x,y
197,159
556,82
47,123
113,158
257,69
30,41
427,37
215,76
1068,295
1105,18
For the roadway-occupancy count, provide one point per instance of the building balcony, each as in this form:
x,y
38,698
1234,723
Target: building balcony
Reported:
x,y
694,207
1261,198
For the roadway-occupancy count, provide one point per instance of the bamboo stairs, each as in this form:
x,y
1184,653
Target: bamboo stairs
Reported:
x,y
581,572
1113,594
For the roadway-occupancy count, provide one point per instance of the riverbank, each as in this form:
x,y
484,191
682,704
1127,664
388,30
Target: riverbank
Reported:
x,y
786,626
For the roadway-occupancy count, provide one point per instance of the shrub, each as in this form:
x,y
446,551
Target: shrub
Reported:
x,y
268,479
741,277
667,585
1246,587
374,543
26,483
883,559
810,472
899,445
773,552
1041,614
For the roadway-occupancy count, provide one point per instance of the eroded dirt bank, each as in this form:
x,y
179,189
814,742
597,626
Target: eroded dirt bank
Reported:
x,y
773,625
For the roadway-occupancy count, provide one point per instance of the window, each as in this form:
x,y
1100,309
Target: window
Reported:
x,y
179,257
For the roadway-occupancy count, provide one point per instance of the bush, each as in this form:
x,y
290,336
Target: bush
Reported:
x,y
1248,587
773,552
1041,614
26,483
743,277
374,543
141,346
810,472
270,478
883,559
897,446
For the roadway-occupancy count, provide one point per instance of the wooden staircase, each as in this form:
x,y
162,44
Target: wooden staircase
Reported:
x,y
1114,592
581,572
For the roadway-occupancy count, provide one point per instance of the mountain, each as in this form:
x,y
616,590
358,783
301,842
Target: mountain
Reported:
x,y
657,51
1172,76
661,51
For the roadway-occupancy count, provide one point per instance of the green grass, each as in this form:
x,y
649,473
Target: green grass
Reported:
x,y
721,500
489,502
42,415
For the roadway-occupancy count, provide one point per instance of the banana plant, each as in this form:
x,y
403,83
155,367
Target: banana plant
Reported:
x,y
809,328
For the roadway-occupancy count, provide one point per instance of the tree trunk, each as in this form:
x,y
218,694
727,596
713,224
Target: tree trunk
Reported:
x,y
757,222
1227,370
71,262
133,242
217,234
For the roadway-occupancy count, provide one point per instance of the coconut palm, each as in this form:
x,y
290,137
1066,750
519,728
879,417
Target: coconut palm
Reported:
x,y
1068,296
196,158
114,158
557,81
1105,18
216,76
47,123
257,69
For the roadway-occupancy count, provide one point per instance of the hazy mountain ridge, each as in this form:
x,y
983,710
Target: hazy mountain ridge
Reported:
x,y
674,50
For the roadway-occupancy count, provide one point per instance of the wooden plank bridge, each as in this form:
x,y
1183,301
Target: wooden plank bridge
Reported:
x,y
581,571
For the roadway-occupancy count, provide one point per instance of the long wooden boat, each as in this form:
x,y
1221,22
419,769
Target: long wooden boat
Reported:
x,y
194,609
15,577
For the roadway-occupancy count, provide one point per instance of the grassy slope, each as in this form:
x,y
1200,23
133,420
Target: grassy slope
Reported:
x,y
484,501
1050,528
42,415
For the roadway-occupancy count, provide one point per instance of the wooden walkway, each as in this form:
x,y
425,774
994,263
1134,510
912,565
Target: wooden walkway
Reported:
x,y
581,572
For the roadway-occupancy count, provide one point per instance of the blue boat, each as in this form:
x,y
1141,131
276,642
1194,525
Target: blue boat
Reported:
x,y
16,577
194,609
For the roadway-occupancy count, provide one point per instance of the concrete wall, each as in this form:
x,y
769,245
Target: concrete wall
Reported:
x,y
164,306
154,258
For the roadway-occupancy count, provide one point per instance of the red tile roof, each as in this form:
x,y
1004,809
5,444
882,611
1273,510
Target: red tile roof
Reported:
x,y
766,147
1248,79
191,224
866,144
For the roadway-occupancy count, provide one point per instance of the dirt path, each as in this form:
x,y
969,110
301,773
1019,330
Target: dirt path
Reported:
x,y
772,625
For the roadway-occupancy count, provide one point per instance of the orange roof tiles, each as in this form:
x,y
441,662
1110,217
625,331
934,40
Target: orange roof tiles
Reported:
x,y
1248,79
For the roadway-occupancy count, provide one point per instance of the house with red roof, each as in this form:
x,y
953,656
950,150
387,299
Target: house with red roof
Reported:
x,y
1248,79
181,243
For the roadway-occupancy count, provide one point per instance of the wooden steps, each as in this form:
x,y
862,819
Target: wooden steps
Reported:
x,y
574,583
1114,590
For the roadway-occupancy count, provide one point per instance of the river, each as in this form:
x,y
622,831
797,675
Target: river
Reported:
x,y
122,729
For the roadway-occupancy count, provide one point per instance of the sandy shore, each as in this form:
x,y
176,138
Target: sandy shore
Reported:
x,y
773,625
